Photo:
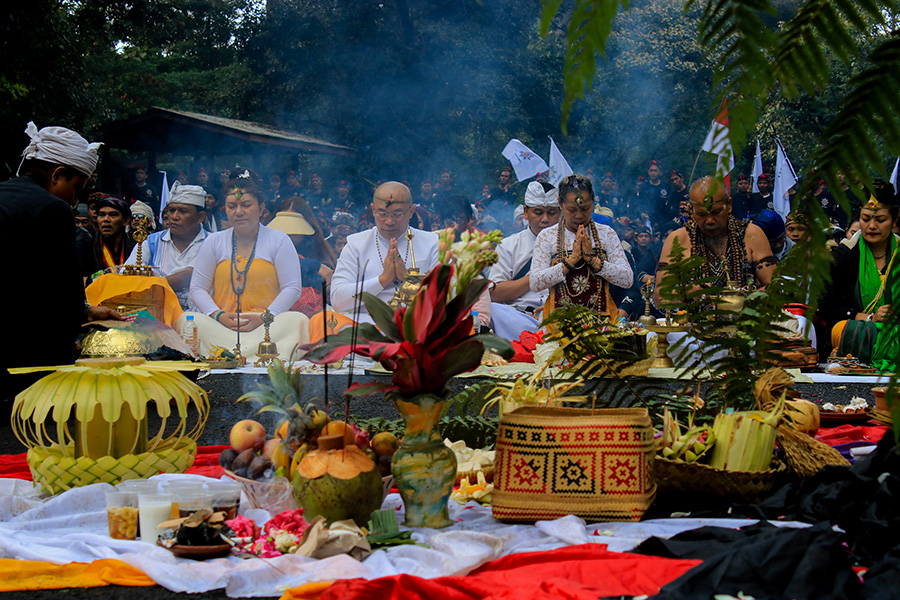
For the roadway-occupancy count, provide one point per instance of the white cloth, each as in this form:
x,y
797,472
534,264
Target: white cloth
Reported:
x,y
615,269
509,323
512,254
287,330
72,527
168,258
536,196
61,146
188,194
272,246
143,209
360,259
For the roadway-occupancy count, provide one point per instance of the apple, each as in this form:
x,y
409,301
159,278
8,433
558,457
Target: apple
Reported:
x,y
247,434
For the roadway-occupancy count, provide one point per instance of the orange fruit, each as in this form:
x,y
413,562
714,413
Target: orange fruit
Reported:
x,y
339,428
283,429
385,444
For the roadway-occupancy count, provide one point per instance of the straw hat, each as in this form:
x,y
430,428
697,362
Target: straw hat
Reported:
x,y
291,223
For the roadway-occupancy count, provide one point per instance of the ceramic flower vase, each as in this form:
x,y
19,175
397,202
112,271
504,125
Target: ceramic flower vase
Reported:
x,y
424,468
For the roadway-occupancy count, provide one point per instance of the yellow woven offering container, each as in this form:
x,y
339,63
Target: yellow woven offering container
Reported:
x,y
87,423
553,462
58,471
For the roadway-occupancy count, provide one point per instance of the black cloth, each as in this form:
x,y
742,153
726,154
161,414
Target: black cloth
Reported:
x,y
118,254
656,201
762,561
746,206
841,299
84,247
759,202
44,299
148,195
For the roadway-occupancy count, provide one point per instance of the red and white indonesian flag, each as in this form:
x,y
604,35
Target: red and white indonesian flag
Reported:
x,y
524,160
757,168
717,143
785,178
559,167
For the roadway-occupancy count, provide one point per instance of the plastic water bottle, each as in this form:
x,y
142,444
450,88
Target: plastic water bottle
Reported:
x,y
476,322
189,335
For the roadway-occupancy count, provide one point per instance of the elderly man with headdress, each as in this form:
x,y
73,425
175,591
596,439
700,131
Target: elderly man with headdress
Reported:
x,y
514,307
242,272
38,204
174,251
734,250
858,303
578,259
377,260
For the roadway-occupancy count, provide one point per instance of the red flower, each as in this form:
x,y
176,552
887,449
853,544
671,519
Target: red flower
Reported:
x,y
291,521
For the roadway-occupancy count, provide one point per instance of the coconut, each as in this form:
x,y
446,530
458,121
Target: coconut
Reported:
x,y
338,483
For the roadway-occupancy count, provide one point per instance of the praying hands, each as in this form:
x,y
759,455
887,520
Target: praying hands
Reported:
x,y
394,267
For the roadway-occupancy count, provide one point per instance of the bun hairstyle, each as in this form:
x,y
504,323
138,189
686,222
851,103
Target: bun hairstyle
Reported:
x,y
575,183
244,181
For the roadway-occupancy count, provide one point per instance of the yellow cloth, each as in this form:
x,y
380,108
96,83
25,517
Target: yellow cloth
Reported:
x,y
310,591
336,322
836,332
19,575
107,288
261,290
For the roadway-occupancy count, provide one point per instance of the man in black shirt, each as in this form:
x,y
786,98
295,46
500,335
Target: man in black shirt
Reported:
x,y
653,196
764,198
742,200
143,191
680,196
37,222
502,203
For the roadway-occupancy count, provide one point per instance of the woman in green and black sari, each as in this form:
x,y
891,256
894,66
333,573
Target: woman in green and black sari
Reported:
x,y
865,285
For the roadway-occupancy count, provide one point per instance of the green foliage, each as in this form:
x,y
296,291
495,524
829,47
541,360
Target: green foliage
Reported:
x,y
376,425
476,431
283,395
470,401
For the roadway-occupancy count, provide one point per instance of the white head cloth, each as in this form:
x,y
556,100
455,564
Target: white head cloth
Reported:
x,y
520,211
141,209
61,146
535,195
188,194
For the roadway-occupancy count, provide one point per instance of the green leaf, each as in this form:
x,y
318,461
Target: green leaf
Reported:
x,y
383,315
461,358
497,345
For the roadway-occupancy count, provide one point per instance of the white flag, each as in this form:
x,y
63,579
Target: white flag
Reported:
x,y
524,161
559,167
893,175
717,143
163,195
757,168
785,178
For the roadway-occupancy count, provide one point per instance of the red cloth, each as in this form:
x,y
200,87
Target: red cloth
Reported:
x,y
835,436
13,466
585,572
525,345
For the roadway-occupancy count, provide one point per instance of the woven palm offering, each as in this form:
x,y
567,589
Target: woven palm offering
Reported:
x,y
552,462
800,420
87,423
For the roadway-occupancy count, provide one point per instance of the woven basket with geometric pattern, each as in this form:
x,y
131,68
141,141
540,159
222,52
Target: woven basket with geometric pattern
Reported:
x,y
58,472
553,462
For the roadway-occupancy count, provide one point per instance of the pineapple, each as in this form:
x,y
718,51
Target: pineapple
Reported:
x,y
284,396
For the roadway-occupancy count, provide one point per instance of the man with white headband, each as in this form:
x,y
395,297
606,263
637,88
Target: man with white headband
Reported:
x,y
513,304
174,251
37,231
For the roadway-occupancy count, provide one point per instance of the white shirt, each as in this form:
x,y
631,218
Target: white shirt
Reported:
x,y
272,246
363,258
168,258
512,254
615,269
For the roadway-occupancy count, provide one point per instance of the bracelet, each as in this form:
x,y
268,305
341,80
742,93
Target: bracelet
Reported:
x,y
869,318
218,314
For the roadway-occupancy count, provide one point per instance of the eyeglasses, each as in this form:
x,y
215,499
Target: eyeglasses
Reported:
x,y
396,214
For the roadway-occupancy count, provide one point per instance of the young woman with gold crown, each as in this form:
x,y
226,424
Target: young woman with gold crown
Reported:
x,y
578,259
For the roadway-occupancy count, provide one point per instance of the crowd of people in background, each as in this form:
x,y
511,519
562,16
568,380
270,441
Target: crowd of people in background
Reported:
x,y
319,216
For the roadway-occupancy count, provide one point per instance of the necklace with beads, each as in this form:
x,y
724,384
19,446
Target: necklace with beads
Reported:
x,y
239,275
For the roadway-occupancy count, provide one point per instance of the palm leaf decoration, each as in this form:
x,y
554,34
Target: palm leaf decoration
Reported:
x,y
757,60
